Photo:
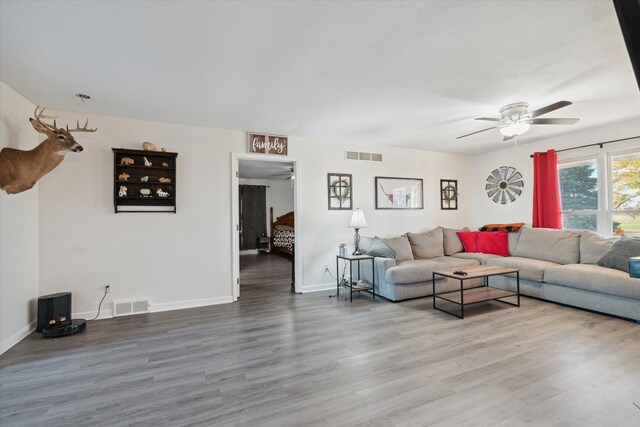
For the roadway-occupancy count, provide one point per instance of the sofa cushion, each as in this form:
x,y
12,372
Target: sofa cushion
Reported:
x,y
427,245
454,262
559,246
413,271
493,242
514,236
380,248
452,243
593,246
619,253
401,246
530,269
481,258
595,279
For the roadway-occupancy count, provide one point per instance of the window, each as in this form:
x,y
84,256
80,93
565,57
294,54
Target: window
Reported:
x,y
579,194
625,194
601,193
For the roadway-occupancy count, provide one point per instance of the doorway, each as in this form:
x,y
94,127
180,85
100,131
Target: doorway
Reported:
x,y
264,222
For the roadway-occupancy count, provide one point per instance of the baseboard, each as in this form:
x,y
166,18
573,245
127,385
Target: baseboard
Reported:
x,y
179,305
249,252
319,287
89,315
17,337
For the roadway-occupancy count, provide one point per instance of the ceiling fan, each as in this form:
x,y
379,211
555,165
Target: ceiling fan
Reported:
x,y
289,174
516,119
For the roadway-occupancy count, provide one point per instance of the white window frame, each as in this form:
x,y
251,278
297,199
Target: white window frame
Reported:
x,y
604,165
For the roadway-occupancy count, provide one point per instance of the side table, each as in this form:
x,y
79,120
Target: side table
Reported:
x,y
354,286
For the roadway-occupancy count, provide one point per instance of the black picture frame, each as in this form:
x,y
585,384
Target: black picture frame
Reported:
x,y
449,194
340,191
399,193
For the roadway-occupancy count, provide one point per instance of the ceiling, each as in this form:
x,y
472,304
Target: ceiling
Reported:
x,y
256,169
402,74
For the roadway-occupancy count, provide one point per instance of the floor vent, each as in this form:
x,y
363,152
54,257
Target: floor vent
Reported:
x,y
358,155
133,306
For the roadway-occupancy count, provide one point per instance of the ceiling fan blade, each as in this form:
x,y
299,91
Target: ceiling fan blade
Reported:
x,y
550,121
281,174
549,108
473,133
488,119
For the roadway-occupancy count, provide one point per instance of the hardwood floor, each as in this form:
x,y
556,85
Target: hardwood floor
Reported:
x,y
275,358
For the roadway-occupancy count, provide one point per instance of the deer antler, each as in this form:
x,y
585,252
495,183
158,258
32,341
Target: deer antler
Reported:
x,y
81,129
38,116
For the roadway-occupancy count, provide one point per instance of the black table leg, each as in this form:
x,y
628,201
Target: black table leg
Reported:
x,y
518,286
461,299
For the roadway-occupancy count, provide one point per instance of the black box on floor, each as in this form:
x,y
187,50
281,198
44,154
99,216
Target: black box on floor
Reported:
x,y
53,307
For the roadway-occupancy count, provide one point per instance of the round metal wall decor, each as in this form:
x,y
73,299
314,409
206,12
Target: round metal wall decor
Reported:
x,y
504,185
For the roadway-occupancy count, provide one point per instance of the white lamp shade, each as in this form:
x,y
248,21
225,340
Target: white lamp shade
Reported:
x,y
515,129
357,219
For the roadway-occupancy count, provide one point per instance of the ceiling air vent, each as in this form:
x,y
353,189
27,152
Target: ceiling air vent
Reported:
x,y
358,155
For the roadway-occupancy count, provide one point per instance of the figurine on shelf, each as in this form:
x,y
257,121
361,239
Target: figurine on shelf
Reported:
x,y
145,192
161,193
164,180
144,178
124,176
148,146
127,161
164,150
123,191
147,162
165,164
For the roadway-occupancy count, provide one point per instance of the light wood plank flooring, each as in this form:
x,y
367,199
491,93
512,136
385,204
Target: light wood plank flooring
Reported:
x,y
279,359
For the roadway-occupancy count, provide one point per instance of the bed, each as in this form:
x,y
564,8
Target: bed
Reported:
x,y
282,233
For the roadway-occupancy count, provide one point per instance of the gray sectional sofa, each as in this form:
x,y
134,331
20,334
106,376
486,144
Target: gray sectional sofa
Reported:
x,y
554,265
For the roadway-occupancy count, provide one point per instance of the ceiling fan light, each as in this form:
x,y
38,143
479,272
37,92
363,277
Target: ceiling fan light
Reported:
x,y
514,129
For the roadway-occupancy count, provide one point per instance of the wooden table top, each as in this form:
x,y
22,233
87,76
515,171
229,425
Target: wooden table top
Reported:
x,y
477,271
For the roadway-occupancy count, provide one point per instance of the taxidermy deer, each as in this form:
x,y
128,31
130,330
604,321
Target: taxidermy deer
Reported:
x,y
20,170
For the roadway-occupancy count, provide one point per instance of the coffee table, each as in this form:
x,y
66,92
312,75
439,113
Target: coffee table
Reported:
x,y
465,297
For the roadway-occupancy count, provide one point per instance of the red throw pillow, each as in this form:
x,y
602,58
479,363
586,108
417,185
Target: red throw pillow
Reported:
x,y
493,242
468,239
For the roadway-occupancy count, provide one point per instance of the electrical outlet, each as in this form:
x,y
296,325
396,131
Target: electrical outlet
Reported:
x,y
326,269
109,288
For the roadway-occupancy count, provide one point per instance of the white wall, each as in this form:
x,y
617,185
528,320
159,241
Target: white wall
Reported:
x,y
486,211
279,195
185,259
324,229
176,260
18,228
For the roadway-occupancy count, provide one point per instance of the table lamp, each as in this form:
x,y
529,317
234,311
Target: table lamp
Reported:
x,y
357,222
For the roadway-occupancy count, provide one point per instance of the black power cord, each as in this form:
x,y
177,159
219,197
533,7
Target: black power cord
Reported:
x,y
106,290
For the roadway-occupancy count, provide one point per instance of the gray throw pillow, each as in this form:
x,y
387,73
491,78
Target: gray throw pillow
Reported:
x,y
452,243
618,255
380,248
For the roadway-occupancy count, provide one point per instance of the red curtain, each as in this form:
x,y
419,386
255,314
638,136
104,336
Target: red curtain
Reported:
x,y
547,212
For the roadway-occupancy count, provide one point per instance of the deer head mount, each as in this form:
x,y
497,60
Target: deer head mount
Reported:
x,y
20,170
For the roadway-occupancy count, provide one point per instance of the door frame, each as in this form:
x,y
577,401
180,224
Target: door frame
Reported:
x,y
235,212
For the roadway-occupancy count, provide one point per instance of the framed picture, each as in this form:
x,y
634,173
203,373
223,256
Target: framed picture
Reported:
x,y
340,188
398,193
449,194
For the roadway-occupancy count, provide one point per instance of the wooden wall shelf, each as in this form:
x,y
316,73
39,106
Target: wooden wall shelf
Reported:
x,y
134,183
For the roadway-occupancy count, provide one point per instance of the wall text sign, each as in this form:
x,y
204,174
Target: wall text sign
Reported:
x,y
267,144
